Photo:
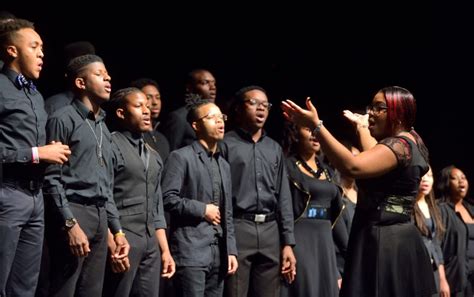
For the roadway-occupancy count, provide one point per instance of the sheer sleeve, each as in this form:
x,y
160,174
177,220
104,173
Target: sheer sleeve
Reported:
x,y
401,148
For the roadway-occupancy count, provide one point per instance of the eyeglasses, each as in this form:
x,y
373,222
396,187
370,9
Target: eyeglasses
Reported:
x,y
376,109
214,117
256,102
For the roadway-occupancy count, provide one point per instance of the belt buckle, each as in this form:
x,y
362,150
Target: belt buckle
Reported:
x,y
260,218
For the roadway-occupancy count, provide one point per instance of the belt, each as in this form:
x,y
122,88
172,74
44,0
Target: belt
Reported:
x,y
398,204
87,201
257,218
316,212
30,185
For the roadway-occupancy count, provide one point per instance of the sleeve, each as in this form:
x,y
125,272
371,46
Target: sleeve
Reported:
x,y
16,155
53,187
231,242
159,213
172,184
438,253
400,147
113,215
285,205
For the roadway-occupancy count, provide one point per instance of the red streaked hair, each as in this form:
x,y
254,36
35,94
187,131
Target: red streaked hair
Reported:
x,y
401,108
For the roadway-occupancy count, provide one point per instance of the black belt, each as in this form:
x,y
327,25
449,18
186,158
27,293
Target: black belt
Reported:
x,y
87,201
256,217
30,185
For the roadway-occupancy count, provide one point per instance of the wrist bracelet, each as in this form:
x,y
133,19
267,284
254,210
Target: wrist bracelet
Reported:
x,y
35,155
317,128
119,233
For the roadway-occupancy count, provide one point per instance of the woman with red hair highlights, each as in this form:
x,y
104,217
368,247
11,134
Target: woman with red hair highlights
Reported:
x,y
386,255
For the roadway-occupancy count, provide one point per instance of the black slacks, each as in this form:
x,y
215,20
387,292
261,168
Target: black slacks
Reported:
x,y
78,276
21,239
259,250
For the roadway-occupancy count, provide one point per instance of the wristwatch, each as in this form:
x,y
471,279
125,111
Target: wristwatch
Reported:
x,y
69,223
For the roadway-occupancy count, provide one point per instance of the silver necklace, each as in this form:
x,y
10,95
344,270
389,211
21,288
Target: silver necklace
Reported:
x,y
99,143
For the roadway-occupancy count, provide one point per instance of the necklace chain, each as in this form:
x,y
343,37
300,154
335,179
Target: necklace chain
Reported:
x,y
99,142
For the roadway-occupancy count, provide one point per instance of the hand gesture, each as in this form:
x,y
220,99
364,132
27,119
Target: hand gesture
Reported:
x,y
300,116
357,120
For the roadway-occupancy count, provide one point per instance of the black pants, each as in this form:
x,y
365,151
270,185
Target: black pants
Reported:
x,y
78,276
143,278
259,249
21,240
197,281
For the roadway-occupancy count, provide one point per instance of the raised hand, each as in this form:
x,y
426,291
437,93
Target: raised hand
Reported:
x,y
357,120
300,116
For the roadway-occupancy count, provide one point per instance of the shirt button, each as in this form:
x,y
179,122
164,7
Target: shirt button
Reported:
x,y
259,188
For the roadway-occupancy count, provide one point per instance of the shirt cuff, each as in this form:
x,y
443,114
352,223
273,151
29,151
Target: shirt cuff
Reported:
x,y
66,213
24,155
114,225
289,239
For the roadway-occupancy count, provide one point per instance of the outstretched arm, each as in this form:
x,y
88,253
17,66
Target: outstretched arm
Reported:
x,y
374,162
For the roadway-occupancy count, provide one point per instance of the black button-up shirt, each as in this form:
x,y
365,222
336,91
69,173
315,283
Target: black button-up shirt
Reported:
x,y
259,179
22,126
83,176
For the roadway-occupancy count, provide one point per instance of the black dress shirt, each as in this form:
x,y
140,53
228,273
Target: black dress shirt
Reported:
x,y
22,126
259,180
84,176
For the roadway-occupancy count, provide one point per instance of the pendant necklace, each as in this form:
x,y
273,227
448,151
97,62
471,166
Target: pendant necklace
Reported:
x,y
317,173
99,143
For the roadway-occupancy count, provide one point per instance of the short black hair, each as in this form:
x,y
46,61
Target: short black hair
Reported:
x,y
117,100
192,73
143,82
193,102
6,16
239,95
77,64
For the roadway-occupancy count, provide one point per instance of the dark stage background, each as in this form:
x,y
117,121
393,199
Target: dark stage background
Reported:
x,y
339,55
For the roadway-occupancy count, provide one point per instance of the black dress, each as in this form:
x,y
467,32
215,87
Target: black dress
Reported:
x,y
386,256
316,204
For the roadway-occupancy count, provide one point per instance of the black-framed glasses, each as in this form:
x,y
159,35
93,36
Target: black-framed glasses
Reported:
x,y
376,109
257,102
215,117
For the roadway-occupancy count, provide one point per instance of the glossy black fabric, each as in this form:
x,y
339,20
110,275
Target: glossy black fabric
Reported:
x,y
386,255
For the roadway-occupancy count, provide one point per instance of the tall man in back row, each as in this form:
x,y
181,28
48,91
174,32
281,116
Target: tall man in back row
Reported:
x,y
22,155
263,215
